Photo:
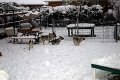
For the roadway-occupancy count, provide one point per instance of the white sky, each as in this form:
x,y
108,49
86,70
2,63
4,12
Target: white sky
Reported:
x,y
27,1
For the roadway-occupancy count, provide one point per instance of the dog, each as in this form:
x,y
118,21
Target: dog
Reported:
x,y
77,40
52,36
56,41
48,37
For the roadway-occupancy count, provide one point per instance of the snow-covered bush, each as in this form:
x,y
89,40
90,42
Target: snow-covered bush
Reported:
x,y
86,13
109,16
96,12
57,13
11,6
30,15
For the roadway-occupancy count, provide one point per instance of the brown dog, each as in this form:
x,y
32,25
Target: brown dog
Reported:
x,y
77,40
56,41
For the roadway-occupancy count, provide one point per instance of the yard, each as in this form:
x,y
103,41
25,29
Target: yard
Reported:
x,y
57,62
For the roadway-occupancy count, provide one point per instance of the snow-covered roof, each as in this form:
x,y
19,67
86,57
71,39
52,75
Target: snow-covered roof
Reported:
x,y
25,1
29,1
52,0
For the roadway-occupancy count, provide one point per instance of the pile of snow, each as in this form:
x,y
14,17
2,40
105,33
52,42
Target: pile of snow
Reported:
x,y
64,8
109,61
97,7
110,11
4,75
85,7
57,8
30,15
46,9
81,25
112,61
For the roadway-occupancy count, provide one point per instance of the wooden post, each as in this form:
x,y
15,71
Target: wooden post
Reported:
x,y
68,32
53,25
13,20
116,32
5,19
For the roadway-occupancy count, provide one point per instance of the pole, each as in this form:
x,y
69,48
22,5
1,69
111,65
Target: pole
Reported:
x,y
79,10
78,22
47,20
14,20
77,26
53,25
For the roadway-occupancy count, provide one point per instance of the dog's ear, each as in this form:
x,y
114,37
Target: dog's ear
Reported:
x,y
61,37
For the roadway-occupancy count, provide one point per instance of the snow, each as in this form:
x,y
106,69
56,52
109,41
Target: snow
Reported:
x,y
85,7
82,25
97,6
56,62
30,14
4,75
25,37
109,61
64,8
110,11
26,1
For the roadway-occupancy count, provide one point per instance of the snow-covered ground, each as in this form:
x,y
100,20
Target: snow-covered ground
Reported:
x,y
57,62
109,61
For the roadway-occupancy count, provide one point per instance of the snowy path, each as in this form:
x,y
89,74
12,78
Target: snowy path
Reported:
x,y
58,62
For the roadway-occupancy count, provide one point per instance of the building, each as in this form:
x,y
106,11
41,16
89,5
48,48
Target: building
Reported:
x,y
77,2
54,2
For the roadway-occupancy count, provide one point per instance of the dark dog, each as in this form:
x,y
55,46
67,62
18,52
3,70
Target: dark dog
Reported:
x,y
77,40
56,41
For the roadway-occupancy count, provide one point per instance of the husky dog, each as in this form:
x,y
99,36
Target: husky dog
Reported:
x,y
48,37
77,40
52,36
56,41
